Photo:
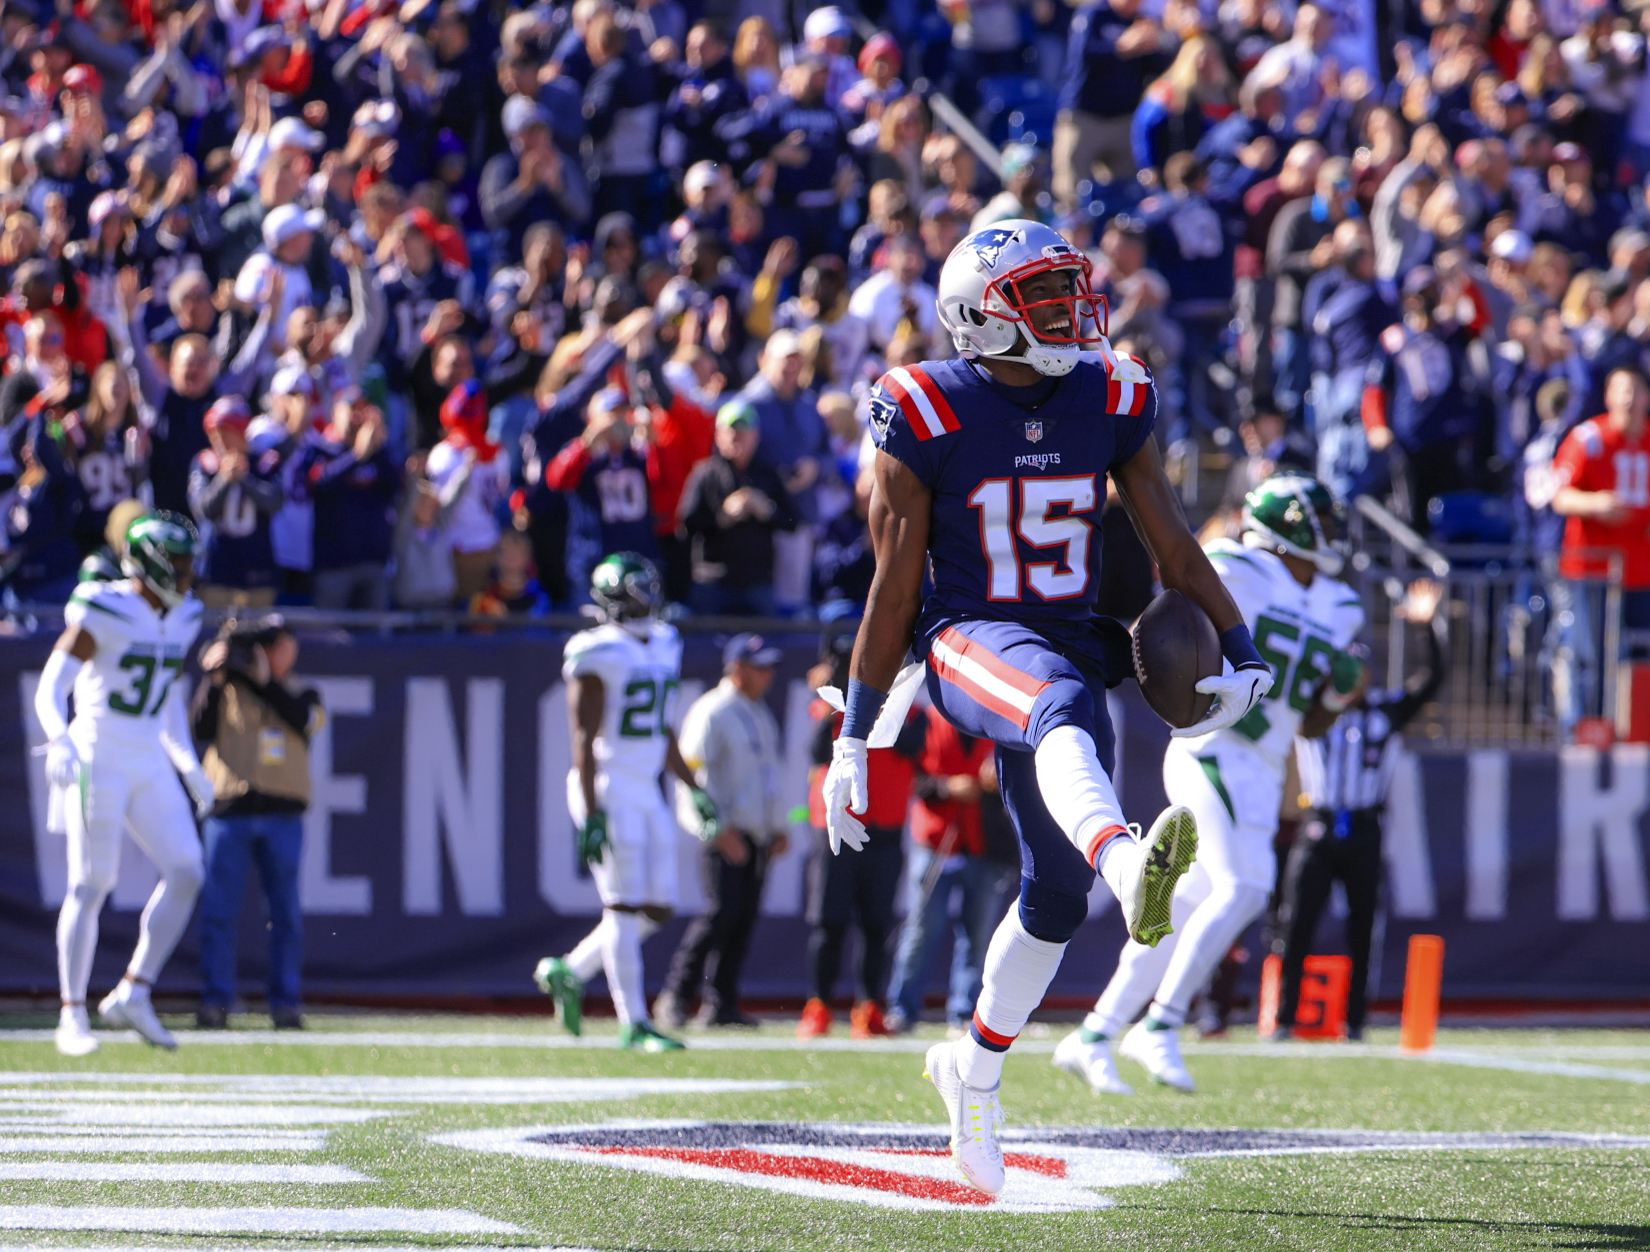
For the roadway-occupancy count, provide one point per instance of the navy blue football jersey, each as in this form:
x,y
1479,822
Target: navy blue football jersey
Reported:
x,y
1018,493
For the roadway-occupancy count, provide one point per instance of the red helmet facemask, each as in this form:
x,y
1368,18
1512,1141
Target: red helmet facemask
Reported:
x,y
1087,311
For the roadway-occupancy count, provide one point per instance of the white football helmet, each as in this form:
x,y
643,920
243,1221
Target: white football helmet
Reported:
x,y
980,303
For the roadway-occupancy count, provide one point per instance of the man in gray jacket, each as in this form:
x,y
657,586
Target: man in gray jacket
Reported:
x,y
731,742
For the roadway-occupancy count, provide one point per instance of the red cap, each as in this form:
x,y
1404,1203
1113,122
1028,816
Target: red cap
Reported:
x,y
228,411
84,80
448,243
465,405
881,44
423,221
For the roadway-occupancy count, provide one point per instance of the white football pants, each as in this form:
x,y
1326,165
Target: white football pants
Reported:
x,y
643,841
1236,795
123,789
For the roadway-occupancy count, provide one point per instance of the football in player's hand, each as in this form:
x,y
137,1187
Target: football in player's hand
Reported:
x,y
1175,648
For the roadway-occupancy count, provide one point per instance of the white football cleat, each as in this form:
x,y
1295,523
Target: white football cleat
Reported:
x,y
1158,1053
128,1005
975,1116
74,1032
1092,1062
1166,853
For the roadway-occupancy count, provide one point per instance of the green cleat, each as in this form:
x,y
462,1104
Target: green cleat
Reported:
x,y
566,988
642,1037
1167,852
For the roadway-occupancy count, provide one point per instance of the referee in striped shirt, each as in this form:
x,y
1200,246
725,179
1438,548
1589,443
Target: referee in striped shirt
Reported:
x,y
1344,777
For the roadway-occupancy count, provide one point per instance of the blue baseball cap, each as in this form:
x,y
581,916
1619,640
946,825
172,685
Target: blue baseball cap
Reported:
x,y
750,648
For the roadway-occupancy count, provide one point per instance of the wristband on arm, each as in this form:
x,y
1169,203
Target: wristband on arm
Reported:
x,y
1238,648
864,703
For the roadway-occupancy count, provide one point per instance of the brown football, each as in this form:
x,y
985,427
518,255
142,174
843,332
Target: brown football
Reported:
x,y
1175,648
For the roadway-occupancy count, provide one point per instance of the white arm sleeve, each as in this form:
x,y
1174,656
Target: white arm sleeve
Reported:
x,y
51,697
174,734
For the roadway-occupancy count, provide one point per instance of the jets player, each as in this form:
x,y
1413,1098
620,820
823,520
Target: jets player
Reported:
x,y
121,652
1282,576
992,469
622,678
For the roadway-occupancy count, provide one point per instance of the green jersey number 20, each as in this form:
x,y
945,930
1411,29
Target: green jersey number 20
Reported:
x,y
646,700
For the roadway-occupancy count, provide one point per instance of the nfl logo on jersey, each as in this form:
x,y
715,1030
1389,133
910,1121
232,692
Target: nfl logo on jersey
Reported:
x,y
1034,432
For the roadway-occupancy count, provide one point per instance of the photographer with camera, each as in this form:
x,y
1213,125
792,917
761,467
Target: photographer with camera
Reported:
x,y
253,730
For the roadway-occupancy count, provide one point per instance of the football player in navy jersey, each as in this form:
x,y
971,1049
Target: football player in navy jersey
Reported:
x,y
991,468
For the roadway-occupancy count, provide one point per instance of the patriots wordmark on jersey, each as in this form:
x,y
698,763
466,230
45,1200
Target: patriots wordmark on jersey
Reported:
x,y
1018,488
140,653
1297,629
640,678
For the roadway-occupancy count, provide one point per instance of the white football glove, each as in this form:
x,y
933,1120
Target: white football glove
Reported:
x,y
201,789
846,786
1235,694
62,762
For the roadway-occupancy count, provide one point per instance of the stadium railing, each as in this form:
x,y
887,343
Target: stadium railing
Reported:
x,y
1505,636
35,619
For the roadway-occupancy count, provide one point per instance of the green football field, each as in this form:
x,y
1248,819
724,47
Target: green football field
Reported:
x,y
497,1132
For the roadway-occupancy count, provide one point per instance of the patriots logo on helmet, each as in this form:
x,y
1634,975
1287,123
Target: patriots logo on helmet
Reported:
x,y
988,245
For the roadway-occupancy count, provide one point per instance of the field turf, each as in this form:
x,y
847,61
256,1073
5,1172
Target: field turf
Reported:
x,y
249,1139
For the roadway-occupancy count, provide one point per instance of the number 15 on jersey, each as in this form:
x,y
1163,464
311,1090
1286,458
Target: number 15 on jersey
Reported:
x,y
1048,517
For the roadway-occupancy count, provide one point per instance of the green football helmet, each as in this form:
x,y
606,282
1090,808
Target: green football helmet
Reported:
x,y
160,553
1297,515
626,587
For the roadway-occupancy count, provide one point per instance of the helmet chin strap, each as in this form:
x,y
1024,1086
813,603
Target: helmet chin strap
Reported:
x,y
1066,355
1062,357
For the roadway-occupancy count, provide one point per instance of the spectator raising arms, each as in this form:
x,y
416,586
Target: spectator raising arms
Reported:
x,y
474,528
175,400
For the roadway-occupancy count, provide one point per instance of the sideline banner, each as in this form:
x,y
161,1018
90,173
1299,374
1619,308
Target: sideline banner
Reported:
x,y
439,856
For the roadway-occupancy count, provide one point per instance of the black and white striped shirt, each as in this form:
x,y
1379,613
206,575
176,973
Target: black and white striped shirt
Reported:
x,y
1351,767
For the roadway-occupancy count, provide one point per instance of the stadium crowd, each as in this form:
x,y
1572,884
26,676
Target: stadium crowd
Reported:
x,y
438,303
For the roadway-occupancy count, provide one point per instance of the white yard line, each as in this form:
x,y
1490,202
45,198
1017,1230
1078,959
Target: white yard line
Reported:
x,y
436,1090
478,1039
180,1111
1524,1065
215,1173
203,1108
143,1144
223,1221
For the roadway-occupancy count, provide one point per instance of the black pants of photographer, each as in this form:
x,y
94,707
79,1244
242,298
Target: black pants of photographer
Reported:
x,y
1331,846
715,942
856,887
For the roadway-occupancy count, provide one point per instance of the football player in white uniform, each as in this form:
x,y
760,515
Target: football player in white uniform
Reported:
x,y
121,652
1282,576
622,678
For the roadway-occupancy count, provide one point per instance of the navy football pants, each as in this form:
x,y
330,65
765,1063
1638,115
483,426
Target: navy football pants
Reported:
x,y
1004,682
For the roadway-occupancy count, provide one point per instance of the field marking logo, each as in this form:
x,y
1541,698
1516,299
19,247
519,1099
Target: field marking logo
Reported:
x,y
897,1167
1050,1169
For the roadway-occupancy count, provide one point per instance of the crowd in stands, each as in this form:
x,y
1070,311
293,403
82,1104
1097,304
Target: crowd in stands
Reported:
x,y
437,303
